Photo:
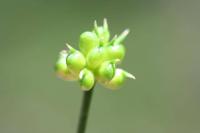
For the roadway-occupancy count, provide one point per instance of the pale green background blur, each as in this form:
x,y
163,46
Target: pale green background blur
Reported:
x,y
163,52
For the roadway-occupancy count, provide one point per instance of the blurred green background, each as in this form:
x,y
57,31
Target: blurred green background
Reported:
x,y
162,52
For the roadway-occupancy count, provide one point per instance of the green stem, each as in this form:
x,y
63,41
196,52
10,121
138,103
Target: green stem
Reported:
x,y
87,96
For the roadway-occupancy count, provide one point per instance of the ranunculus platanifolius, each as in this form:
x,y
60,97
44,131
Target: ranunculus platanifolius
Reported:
x,y
96,61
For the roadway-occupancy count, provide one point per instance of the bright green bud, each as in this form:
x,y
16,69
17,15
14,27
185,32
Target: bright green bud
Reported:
x,y
118,79
86,78
75,60
96,57
88,41
106,71
116,52
102,32
61,68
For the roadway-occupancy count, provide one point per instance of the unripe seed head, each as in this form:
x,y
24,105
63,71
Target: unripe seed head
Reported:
x,y
97,58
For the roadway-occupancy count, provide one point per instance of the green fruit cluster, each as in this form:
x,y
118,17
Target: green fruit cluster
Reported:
x,y
96,61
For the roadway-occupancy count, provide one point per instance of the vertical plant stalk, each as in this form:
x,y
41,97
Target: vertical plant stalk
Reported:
x,y
87,97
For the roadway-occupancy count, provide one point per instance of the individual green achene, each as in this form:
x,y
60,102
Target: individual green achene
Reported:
x,y
88,41
96,61
118,79
75,60
61,67
106,70
86,78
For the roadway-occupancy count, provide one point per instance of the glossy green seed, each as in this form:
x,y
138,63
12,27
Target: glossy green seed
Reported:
x,y
115,52
88,41
106,70
118,79
61,62
61,68
86,79
75,61
96,57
